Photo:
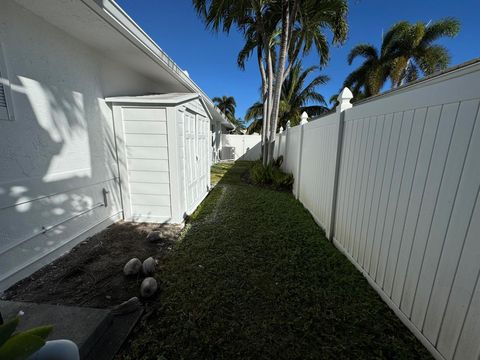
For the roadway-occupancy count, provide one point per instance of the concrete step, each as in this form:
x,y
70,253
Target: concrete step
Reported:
x,y
111,341
83,326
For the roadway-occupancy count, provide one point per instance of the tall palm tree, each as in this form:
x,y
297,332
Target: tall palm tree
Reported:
x,y
407,49
297,26
413,49
369,78
297,97
227,105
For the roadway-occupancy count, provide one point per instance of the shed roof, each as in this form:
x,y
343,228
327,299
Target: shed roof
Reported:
x,y
169,98
164,99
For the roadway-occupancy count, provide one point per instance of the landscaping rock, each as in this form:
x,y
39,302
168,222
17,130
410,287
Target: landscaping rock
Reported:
x,y
154,236
132,267
127,307
149,287
148,266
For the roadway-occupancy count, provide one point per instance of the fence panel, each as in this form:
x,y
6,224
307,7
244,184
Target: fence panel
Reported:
x,y
292,152
408,189
406,211
317,167
280,145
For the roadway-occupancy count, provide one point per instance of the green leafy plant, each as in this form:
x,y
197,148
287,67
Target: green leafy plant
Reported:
x,y
259,174
271,175
281,180
20,345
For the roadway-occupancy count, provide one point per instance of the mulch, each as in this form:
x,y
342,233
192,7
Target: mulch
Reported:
x,y
91,274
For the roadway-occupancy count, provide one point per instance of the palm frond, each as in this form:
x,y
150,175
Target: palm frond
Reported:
x,y
254,112
448,27
367,51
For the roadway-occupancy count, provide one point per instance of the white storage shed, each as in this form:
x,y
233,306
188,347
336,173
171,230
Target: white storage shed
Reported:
x,y
164,147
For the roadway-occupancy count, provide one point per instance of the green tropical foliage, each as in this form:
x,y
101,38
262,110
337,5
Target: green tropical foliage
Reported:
x,y
21,345
369,78
414,51
227,105
271,176
407,51
297,97
280,32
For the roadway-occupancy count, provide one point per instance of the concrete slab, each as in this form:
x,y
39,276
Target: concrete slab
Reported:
x,y
84,326
113,339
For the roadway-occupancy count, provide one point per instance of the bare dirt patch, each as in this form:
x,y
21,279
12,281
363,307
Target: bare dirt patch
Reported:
x,y
91,274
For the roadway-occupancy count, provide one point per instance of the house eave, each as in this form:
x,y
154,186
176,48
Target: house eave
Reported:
x,y
136,49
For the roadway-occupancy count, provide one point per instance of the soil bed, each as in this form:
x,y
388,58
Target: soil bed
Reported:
x,y
91,274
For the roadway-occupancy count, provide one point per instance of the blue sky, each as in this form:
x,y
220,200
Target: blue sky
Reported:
x,y
210,58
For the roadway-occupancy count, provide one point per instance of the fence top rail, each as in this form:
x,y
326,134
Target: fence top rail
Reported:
x,y
326,120
458,70
293,129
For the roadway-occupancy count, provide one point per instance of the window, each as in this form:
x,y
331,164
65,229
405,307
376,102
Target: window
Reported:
x,y
6,109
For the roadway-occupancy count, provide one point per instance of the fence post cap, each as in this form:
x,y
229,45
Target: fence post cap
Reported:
x,y
288,124
304,118
344,99
280,130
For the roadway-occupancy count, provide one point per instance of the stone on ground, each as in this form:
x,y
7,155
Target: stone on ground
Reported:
x,y
148,266
132,267
154,236
149,287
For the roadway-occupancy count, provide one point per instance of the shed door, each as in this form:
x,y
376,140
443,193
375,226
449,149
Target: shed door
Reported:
x,y
147,163
196,157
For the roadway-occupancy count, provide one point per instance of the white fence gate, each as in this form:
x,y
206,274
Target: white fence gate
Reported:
x,y
394,181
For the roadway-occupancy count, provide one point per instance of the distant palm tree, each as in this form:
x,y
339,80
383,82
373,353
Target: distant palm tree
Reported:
x,y
369,78
407,49
333,101
413,50
296,98
227,105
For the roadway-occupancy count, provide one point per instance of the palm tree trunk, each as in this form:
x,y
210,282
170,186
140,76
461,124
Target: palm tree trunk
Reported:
x,y
286,20
268,107
264,92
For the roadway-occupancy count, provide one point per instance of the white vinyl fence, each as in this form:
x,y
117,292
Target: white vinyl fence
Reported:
x,y
241,147
394,181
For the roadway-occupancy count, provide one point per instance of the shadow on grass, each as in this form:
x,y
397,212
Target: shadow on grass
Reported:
x,y
255,278
229,173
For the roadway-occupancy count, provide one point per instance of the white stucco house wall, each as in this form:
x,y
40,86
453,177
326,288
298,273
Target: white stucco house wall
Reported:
x,y
97,124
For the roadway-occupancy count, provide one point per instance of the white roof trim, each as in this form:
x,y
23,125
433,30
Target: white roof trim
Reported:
x,y
170,98
111,12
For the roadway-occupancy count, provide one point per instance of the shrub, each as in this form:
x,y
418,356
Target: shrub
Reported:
x,y
259,174
271,175
281,180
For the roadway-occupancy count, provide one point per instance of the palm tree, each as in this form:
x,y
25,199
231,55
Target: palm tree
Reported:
x,y
413,50
227,105
369,78
280,31
407,49
302,26
296,98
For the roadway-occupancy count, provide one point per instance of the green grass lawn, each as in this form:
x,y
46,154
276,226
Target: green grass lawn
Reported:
x,y
218,171
253,277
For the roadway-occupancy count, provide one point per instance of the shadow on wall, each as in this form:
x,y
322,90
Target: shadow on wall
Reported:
x,y
57,156
252,154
